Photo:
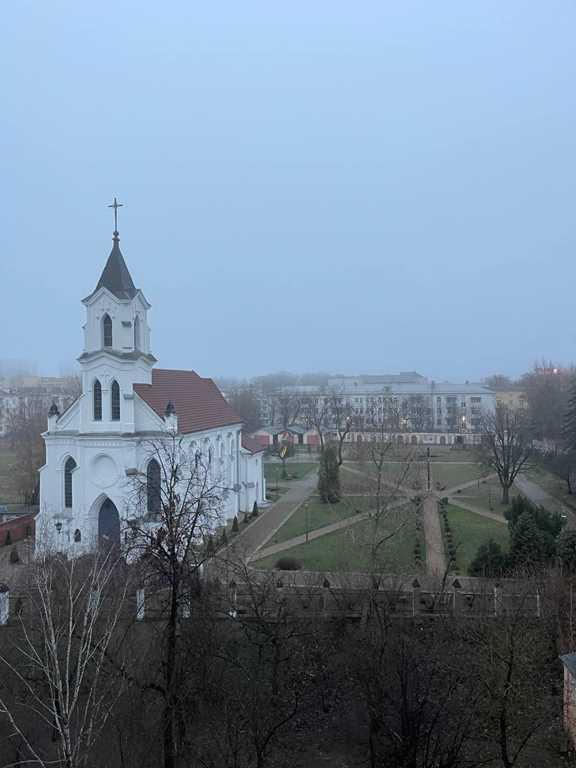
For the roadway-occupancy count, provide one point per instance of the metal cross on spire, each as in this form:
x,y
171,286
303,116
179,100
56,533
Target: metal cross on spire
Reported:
x,y
116,205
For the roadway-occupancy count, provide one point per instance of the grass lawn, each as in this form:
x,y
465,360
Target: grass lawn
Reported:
x,y
294,470
486,496
445,455
354,483
452,474
314,514
469,531
362,475
349,548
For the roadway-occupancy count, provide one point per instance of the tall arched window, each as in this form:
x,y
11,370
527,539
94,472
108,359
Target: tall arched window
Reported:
x,y
115,401
153,486
69,467
107,331
136,332
97,398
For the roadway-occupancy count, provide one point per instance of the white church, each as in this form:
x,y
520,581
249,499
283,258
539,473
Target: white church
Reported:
x,y
102,440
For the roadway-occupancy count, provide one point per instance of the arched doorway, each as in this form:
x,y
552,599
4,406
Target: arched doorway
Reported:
x,y
108,526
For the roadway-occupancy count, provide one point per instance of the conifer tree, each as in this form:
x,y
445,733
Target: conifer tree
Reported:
x,y
567,551
530,547
329,476
490,561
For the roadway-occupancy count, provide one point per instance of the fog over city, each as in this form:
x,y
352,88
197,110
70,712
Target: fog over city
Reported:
x,y
324,186
288,384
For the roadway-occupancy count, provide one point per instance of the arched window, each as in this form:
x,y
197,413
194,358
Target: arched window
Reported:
x,y
115,401
69,467
136,332
153,486
97,398
107,331
77,535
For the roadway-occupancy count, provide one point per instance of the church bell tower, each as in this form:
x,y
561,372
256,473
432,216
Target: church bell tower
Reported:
x,y
116,346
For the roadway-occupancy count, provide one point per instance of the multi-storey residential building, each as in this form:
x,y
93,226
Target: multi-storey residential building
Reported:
x,y
393,403
34,395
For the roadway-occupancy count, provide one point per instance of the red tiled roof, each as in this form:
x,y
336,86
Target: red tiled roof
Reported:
x,y
198,402
252,445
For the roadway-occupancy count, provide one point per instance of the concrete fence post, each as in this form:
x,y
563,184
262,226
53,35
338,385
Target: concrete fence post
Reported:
x,y
140,604
4,607
497,600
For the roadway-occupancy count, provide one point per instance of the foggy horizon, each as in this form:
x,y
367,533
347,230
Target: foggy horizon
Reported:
x,y
306,189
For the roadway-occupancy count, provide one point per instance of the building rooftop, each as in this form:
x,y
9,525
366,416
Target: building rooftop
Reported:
x,y
115,275
424,388
198,402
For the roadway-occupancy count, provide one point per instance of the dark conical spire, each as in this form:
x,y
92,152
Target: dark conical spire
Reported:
x,y
116,277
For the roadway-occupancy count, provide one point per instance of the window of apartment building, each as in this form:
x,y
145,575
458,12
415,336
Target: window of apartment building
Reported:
x,y
475,399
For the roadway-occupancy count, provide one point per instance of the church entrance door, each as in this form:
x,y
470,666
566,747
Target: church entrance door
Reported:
x,y
108,526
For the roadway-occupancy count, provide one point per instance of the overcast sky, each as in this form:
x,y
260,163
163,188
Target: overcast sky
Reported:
x,y
339,186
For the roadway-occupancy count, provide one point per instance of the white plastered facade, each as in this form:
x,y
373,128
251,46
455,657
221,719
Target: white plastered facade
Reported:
x,y
107,451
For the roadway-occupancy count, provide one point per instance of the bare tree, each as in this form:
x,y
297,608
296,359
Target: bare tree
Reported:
x,y
316,412
513,658
385,483
25,427
342,418
419,413
506,444
547,389
247,405
61,664
176,508
287,407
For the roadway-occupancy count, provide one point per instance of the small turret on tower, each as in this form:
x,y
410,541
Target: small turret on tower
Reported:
x,y
53,415
170,418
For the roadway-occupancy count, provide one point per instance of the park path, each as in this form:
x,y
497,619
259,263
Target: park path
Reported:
x,y
537,495
261,530
435,558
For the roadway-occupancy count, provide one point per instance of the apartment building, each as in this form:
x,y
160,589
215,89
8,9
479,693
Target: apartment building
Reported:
x,y
397,403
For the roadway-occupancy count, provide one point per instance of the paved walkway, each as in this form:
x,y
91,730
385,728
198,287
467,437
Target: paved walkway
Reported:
x,y
435,559
537,495
261,530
